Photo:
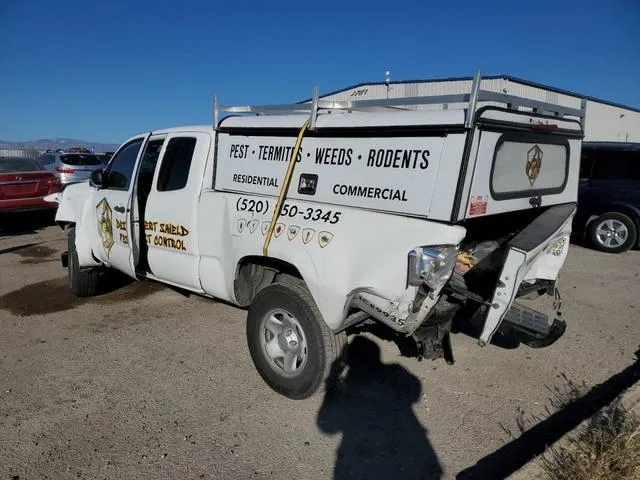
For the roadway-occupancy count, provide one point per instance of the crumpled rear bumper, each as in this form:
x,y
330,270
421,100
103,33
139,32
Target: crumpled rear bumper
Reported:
x,y
537,252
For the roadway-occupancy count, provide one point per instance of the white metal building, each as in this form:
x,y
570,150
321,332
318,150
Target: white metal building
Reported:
x,y
605,121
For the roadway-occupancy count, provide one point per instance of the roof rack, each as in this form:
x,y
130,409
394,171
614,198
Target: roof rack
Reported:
x,y
471,99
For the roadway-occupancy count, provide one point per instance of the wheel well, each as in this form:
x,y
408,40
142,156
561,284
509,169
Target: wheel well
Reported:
x,y
254,273
64,224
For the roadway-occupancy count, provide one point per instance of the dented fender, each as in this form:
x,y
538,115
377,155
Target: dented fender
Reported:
x,y
74,207
353,252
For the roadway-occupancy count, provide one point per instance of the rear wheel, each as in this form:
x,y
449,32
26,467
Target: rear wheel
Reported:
x,y
613,232
290,344
82,283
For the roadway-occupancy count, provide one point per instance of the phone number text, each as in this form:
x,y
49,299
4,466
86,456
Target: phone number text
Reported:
x,y
288,210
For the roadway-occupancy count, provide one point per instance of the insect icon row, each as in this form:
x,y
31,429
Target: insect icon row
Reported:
x,y
292,231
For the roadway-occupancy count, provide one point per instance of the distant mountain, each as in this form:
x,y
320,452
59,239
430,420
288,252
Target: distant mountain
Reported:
x,y
55,143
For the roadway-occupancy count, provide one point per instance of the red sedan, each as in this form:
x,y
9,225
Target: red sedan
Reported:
x,y
23,185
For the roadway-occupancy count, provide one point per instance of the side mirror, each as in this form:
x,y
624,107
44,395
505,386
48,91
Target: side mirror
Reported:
x,y
96,179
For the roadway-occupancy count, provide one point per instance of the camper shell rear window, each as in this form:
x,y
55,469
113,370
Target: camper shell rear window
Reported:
x,y
529,164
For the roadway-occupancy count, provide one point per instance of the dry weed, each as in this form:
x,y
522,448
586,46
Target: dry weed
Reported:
x,y
607,447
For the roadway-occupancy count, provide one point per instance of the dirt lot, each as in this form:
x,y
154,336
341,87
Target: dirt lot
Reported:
x,y
144,382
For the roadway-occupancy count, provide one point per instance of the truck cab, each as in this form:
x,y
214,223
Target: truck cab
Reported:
x,y
324,217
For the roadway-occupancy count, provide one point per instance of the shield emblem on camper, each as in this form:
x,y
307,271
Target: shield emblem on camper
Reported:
x,y
534,164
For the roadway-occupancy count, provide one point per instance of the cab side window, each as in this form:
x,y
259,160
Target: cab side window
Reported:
x,y
176,163
120,169
148,166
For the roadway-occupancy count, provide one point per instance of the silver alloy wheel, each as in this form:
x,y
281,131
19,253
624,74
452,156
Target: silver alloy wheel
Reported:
x,y
283,342
612,233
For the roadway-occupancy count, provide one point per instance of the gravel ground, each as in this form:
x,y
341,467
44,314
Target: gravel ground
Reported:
x,y
144,382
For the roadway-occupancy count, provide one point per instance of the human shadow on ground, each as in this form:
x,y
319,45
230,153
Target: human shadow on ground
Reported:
x,y
372,408
516,454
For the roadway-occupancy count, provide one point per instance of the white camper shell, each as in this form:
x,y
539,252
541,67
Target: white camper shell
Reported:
x,y
324,217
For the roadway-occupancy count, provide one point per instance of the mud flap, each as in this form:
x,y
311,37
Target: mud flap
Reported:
x,y
64,258
537,252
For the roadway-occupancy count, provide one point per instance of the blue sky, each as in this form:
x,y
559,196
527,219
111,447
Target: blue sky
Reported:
x,y
103,71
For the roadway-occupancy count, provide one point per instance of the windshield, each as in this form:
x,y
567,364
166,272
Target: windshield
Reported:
x,y
16,164
80,159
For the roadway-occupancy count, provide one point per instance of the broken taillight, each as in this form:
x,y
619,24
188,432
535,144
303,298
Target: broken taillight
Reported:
x,y
64,170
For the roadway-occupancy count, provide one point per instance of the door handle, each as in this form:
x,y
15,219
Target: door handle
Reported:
x,y
119,208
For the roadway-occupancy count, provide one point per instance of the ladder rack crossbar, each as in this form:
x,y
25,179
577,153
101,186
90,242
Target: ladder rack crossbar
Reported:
x,y
471,100
560,110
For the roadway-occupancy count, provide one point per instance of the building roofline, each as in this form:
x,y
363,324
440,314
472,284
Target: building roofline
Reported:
x,y
488,77
611,144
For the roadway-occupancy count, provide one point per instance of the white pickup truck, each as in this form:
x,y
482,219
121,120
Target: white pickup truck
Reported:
x,y
323,216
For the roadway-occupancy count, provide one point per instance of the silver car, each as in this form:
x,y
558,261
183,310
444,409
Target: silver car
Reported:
x,y
71,167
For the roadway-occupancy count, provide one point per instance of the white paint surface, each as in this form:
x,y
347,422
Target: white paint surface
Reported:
x,y
339,243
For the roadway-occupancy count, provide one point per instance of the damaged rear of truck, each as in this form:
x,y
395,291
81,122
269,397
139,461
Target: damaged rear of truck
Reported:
x,y
494,184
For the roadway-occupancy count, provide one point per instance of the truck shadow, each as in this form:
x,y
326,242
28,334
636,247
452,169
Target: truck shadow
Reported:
x,y
372,408
534,441
471,329
52,296
28,223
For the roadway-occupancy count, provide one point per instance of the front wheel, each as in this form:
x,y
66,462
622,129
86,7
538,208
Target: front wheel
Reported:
x,y
613,232
290,344
82,283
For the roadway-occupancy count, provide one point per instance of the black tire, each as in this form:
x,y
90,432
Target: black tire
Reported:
x,y
325,349
82,283
599,244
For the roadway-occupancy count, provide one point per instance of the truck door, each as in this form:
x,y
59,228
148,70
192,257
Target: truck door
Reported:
x,y
114,209
170,216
